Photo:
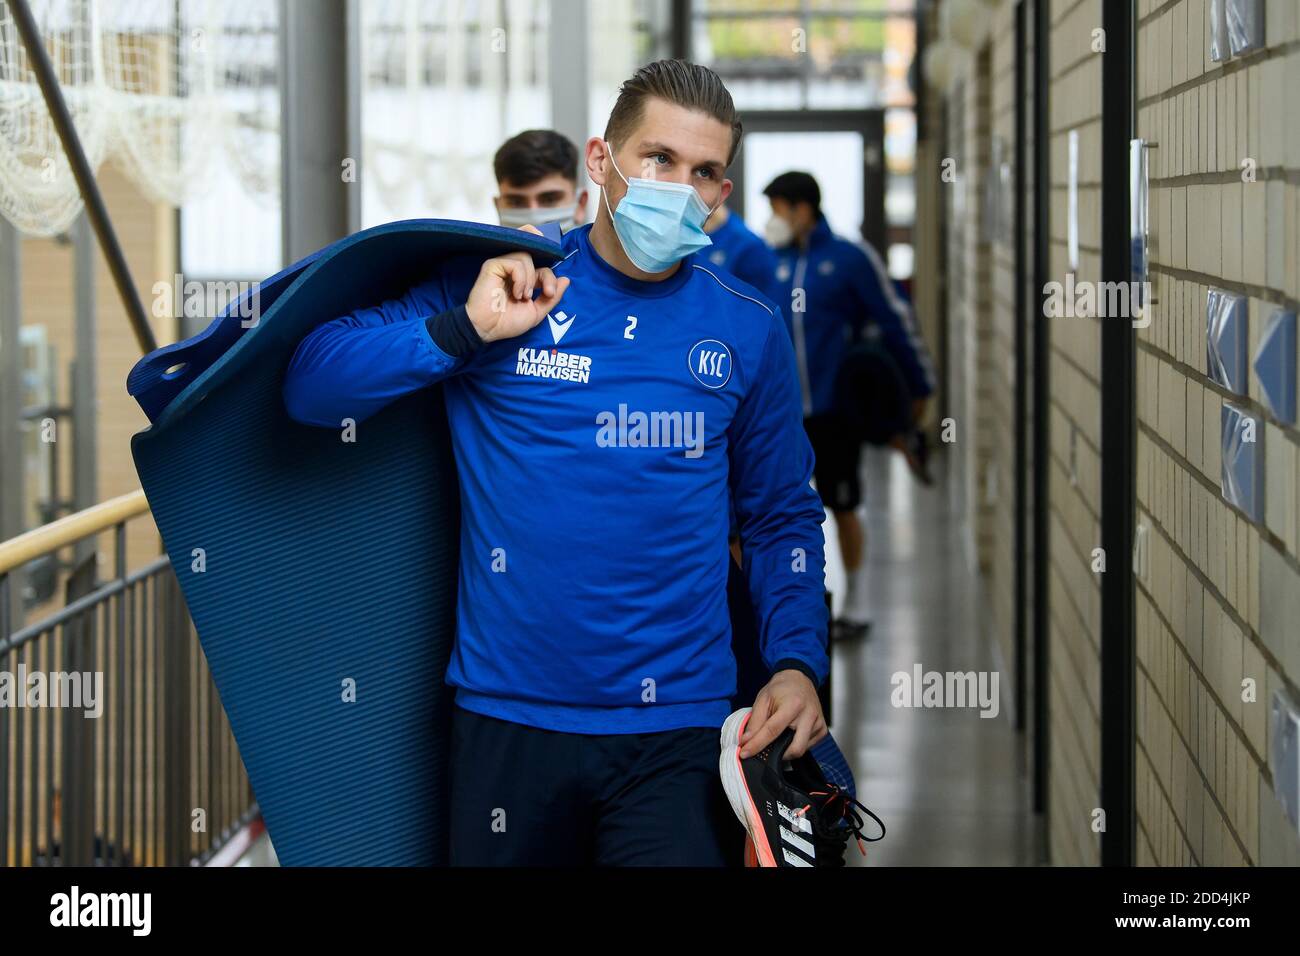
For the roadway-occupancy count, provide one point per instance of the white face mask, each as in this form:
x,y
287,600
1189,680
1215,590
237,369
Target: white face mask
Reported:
x,y
538,216
778,232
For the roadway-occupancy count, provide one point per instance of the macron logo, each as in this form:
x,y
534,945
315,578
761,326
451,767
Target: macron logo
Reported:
x,y
559,325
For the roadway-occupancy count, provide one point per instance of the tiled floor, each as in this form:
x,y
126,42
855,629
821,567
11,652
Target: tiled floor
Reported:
x,y
949,784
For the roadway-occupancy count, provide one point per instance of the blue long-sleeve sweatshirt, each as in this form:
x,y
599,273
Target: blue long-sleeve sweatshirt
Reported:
x,y
846,292
595,455
737,249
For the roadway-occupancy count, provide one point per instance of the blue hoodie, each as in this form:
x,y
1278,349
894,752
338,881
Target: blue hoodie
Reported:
x,y
847,293
595,453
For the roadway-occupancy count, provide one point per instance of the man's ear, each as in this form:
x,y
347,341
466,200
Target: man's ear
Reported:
x,y
597,159
808,213
727,187
580,213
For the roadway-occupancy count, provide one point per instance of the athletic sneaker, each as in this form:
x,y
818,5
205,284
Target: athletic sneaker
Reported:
x,y
792,814
917,453
852,621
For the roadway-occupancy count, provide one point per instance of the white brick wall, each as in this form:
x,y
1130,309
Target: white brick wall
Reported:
x,y
1205,619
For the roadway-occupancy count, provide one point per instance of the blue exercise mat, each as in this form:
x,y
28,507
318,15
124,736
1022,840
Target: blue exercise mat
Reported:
x,y
323,562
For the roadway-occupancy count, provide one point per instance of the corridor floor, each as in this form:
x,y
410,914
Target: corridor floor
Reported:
x,y
949,784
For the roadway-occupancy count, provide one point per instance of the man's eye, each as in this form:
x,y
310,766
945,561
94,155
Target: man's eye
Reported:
x,y
660,156
706,172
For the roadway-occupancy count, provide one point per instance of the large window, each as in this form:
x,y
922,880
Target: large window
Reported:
x,y
787,55
815,54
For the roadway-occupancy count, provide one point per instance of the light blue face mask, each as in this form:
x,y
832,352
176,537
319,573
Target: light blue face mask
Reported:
x,y
658,223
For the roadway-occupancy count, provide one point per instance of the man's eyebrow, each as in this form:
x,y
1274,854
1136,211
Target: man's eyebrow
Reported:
x,y
651,147
648,146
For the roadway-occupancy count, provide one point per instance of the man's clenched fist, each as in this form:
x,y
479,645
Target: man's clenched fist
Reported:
x,y
788,700
501,304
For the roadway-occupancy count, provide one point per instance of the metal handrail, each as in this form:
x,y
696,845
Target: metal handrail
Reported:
x,y
119,784
68,530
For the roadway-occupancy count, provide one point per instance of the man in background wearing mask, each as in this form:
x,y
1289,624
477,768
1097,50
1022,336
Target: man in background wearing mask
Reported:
x,y
833,292
537,181
597,440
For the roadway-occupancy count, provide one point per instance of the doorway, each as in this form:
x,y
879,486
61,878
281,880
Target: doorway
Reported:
x,y
843,149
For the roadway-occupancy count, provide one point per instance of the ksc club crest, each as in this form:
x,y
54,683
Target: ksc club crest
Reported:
x,y
710,363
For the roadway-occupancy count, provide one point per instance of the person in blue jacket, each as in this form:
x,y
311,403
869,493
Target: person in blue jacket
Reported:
x,y
601,411
738,249
533,171
832,292
742,253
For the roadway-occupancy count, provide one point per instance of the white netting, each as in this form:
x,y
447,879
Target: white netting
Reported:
x,y
37,191
168,89
164,88
158,80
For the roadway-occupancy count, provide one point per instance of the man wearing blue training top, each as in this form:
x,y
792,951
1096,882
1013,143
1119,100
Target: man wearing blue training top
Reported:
x,y
835,292
597,439
742,253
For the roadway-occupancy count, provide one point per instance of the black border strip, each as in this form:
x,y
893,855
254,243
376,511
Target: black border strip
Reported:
x,y
1118,450
1041,397
1021,397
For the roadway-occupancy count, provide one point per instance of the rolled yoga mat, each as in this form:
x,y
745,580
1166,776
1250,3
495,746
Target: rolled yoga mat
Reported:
x,y
312,566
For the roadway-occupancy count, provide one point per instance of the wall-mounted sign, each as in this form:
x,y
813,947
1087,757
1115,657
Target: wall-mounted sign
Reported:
x,y
1241,472
1072,207
1284,746
1245,20
1275,365
1219,50
998,196
1225,339
1139,222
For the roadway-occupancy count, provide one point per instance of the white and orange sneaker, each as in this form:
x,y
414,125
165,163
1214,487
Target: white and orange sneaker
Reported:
x,y
793,816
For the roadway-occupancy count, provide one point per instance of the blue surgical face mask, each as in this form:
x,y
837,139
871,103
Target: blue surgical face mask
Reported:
x,y
658,223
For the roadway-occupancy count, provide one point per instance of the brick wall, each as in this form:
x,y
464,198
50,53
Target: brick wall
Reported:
x,y
970,291
1075,424
997,388
1217,594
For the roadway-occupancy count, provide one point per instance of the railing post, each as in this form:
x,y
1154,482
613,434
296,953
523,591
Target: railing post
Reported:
x,y
6,588
177,726
12,515
78,776
85,423
103,631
